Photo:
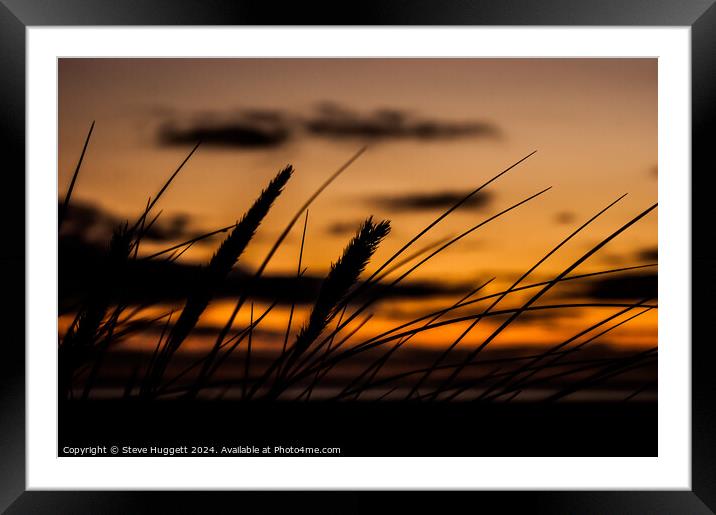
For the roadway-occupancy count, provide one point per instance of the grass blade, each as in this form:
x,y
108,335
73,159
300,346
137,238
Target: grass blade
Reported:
x,y
68,195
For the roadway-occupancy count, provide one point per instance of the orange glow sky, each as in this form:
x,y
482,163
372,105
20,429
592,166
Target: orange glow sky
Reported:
x,y
592,121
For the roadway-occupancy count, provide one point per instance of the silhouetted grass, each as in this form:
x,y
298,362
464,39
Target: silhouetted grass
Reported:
x,y
443,247
218,269
82,339
377,273
544,290
343,275
293,302
519,383
321,344
472,325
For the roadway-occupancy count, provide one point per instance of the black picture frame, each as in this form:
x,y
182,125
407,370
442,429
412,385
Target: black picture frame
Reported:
x,y
17,15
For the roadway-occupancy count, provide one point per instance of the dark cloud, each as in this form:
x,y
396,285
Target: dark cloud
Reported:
x,y
91,223
273,128
172,228
343,228
335,121
624,286
650,254
433,200
565,217
82,265
248,132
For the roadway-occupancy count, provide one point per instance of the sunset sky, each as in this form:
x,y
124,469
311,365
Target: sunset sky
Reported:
x,y
435,129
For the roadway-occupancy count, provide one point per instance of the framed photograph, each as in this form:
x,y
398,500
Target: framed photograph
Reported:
x,y
420,247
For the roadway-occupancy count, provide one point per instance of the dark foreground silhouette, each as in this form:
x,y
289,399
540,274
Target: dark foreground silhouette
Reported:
x,y
363,428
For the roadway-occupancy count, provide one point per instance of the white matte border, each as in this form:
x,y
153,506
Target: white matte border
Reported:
x,y
671,470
